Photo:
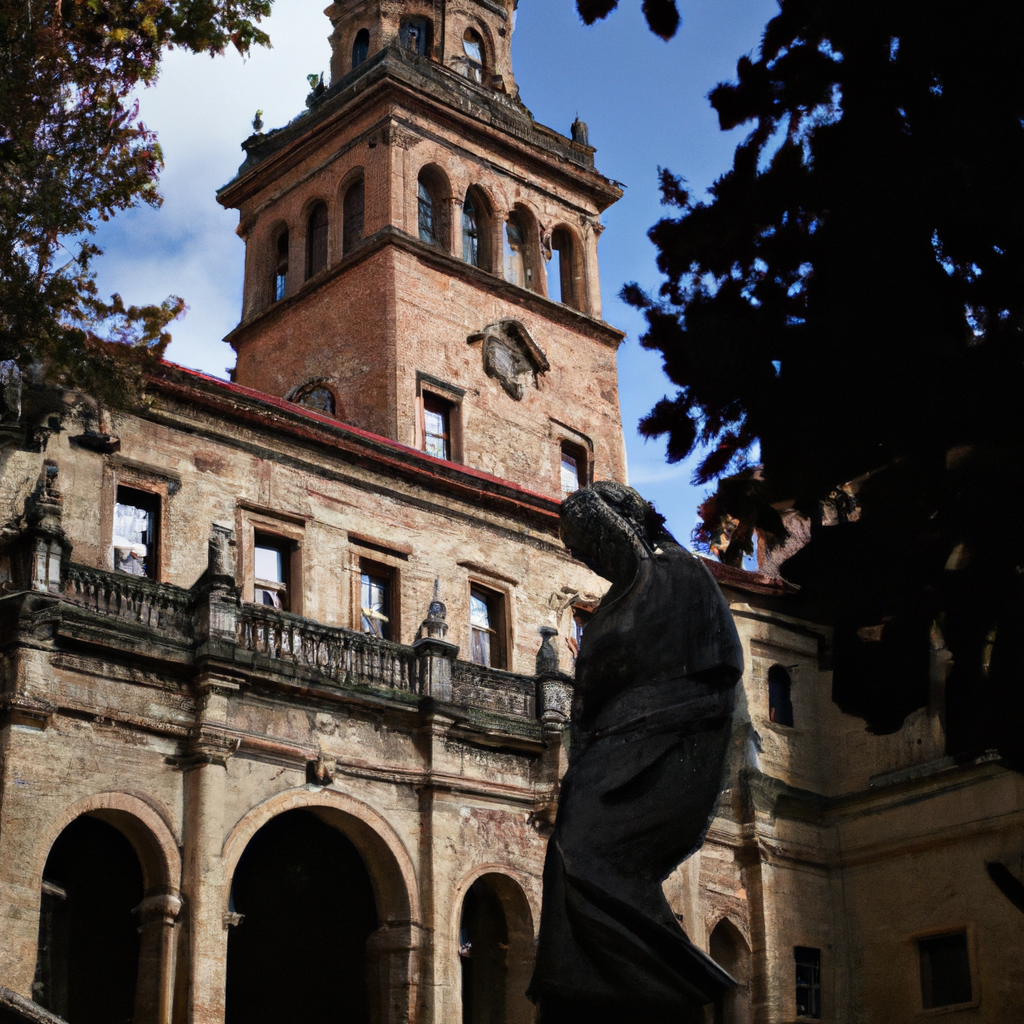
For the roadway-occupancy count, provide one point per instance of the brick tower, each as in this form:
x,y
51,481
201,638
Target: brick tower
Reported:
x,y
421,255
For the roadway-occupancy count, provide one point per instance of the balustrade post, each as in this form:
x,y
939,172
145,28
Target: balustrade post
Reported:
x,y
217,597
433,653
554,708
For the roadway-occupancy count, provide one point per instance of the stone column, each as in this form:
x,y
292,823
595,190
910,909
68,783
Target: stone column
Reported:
x,y
394,966
157,917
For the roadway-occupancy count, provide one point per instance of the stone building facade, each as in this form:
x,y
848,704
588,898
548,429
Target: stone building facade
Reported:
x,y
282,726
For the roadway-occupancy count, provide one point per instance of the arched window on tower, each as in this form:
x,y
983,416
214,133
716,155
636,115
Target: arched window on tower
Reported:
x,y
281,268
432,205
515,251
354,212
473,47
316,240
564,271
360,47
476,230
780,696
414,35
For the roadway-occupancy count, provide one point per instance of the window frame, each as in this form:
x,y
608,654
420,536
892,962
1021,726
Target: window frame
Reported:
x,y
154,499
263,541
581,457
289,530
431,390
317,240
163,485
498,607
814,964
372,568
785,705
475,70
426,41
279,281
571,269
972,967
357,39
350,238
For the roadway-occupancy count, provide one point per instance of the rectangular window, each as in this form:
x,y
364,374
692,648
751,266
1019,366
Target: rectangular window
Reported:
x,y
437,426
808,982
375,594
486,628
574,469
136,532
271,569
945,970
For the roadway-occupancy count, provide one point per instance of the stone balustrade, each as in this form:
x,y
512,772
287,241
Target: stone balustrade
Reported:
x,y
130,598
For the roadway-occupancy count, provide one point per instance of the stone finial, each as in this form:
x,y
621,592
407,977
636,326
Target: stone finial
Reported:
x,y
580,132
435,625
257,122
547,656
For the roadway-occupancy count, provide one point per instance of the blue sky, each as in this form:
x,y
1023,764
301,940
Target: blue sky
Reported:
x,y
644,100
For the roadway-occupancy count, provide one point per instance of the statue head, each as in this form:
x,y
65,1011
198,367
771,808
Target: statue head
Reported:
x,y
609,527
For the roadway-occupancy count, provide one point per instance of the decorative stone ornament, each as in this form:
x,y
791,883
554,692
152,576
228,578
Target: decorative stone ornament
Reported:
x,y
511,356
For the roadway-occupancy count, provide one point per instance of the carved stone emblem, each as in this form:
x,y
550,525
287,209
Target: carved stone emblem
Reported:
x,y
511,356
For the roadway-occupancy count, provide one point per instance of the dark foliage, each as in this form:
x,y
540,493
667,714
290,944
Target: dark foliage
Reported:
x,y
662,15
850,297
74,152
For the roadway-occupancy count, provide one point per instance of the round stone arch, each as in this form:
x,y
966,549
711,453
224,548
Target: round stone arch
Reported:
x,y
140,823
387,861
522,916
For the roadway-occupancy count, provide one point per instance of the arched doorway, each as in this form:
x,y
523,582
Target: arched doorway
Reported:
x,y
88,957
496,952
306,910
729,949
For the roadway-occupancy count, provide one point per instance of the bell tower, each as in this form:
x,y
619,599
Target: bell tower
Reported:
x,y
421,255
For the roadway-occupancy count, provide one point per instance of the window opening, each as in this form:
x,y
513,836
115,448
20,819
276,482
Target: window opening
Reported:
x,y
486,625
316,240
319,398
136,525
355,206
375,603
515,264
271,556
473,46
780,702
573,470
562,269
428,228
281,273
470,233
437,423
413,36
361,47
945,970
555,292
808,982
580,618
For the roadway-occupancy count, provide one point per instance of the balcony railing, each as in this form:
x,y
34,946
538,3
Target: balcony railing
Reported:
x,y
346,657
131,598
493,690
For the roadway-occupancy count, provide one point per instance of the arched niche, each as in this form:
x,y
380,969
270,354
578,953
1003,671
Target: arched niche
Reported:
x,y
729,950
495,936
480,231
433,205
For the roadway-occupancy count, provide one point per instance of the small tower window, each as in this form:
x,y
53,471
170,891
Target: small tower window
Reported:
x,y
413,35
432,190
470,233
562,280
354,212
473,46
437,426
574,469
780,698
428,229
281,271
316,240
515,244
360,47
317,397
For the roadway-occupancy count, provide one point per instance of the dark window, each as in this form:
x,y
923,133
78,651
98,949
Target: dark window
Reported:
x,y
413,35
281,271
473,46
136,532
780,700
428,227
574,469
271,569
945,970
355,205
437,426
316,240
486,627
375,594
361,47
562,269
470,232
316,396
808,982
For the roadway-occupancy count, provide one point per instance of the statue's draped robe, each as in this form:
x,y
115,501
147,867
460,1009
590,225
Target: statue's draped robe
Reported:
x,y
655,688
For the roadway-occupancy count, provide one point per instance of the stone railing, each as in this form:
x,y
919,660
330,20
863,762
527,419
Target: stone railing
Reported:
x,y
130,598
492,689
346,657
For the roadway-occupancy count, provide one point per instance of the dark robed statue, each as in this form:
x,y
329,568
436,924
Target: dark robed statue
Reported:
x,y
655,688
